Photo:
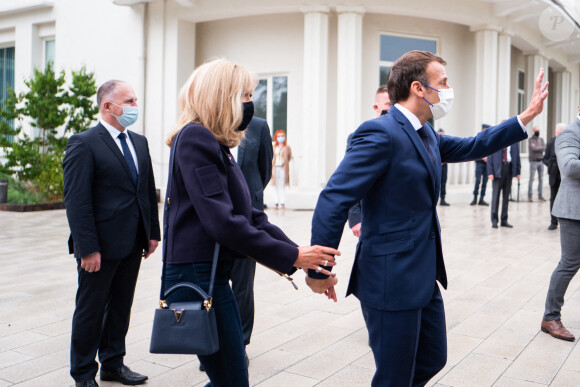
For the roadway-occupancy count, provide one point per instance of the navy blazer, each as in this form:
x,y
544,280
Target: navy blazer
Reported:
x,y
495,161
103,205
210,202
255,159
399,255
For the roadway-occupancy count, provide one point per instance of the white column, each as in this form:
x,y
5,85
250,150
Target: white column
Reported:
x,y
504,66
486,63
27,56
349,74
561,99
311,155
154,123
536,61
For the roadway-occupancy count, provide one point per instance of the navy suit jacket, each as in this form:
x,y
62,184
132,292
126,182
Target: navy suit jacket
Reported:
x,y
399,253
210,202
494,162
103,205
255,159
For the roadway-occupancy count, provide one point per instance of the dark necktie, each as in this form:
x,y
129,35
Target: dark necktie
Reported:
x,y
423,133
128,157
505,155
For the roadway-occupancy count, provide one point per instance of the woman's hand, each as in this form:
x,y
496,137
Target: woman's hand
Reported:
x,y
316,257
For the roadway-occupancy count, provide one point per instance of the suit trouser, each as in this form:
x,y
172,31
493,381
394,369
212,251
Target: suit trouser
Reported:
x,y
243,273
480,174
553,192
566,269
102,313
536,166
502,185
444,169
409,346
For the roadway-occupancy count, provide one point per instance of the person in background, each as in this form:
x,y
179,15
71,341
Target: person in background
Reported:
x,y
281,167
567,210
553,172
480,175
381,107
502,166
254,156
211,203
536,146
111,206
444,168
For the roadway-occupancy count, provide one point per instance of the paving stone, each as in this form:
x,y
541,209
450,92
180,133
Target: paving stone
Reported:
x,y
497,286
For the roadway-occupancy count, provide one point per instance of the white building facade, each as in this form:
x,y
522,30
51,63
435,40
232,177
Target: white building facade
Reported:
x,y
319,62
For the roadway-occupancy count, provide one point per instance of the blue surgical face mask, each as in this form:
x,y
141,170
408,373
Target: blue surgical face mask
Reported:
x,y
281,139
129,116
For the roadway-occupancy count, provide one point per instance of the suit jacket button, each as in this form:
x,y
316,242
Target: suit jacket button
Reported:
x,y
432,235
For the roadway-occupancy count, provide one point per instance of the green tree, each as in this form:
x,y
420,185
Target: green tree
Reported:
x,y
55,111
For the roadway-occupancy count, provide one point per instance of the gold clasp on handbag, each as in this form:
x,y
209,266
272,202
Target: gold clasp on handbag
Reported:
x,y
207,304
162,304
178,314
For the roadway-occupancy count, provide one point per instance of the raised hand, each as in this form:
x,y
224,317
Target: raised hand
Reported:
x,y
316,258
537,102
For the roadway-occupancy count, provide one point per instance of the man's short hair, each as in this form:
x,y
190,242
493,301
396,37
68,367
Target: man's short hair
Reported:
x,y
107,89
409,68
440,130
382,89
485,126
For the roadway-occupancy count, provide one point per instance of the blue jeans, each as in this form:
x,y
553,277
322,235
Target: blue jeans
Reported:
x,y
227,367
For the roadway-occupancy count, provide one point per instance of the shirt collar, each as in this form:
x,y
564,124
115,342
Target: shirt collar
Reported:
x,y
114,132
410,116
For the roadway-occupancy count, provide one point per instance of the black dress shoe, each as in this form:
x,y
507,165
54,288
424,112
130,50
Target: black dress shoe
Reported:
x,y
87,383
552,227
506,224
494,224
443,203
201,368
123,375
483,203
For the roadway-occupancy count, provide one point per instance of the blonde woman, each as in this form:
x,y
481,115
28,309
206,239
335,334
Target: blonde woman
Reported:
x,y
210,203
281,167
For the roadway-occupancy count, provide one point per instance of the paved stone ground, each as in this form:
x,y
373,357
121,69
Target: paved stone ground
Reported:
x,y
497,286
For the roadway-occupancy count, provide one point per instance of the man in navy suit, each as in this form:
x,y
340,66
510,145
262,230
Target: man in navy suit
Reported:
x,y
254,156
394,166
111,206
502,166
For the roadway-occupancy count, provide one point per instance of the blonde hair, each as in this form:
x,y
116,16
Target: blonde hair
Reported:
x,y
212,97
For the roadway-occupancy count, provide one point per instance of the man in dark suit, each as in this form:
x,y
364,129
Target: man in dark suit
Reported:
x,y
444,169
254,156
111,206
553,172
502,166
394,166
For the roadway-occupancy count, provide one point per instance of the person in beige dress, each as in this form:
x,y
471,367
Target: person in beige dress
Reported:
x,y
281,167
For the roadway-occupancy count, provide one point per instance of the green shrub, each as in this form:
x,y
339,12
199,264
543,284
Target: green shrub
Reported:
x,y
54,111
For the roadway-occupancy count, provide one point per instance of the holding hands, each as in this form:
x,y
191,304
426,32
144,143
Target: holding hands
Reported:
x,y
319,258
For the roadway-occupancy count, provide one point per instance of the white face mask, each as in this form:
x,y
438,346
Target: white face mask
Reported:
x,y
441,108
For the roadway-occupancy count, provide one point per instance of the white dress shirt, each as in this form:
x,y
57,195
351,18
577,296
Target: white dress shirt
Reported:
x,y
114,132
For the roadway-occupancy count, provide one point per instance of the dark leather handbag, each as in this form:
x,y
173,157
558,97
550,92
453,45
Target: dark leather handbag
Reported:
x,y
187,327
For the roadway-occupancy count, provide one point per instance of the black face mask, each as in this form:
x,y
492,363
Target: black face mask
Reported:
x,y
536,134
248,108
384,112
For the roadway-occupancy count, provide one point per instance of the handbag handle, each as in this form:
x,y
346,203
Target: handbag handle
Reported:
x,y
162,295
